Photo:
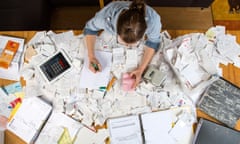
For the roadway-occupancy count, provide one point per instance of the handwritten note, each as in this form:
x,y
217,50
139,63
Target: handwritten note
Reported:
x,y
95,80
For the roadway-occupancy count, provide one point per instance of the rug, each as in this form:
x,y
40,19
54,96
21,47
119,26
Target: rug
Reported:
x,y
227,13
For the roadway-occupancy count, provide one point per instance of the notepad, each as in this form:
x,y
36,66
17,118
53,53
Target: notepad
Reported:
x,y
95,80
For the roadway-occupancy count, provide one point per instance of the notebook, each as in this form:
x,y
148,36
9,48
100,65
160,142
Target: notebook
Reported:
x,y
151,128
221,100
208,132
29,118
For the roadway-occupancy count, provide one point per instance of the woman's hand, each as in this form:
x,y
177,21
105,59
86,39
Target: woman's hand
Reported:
x,y
94,65
137,75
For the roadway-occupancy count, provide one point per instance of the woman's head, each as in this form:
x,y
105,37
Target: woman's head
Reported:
x,y
131,23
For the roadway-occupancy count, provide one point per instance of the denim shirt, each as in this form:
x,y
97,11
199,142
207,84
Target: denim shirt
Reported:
x,y
106,19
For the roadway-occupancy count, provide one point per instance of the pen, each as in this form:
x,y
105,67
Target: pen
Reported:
x,y
110,84
95,66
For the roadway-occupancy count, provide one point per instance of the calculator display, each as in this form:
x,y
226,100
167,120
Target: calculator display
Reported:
x,y
55,66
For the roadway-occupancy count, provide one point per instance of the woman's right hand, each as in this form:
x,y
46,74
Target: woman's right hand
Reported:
x,y
94,65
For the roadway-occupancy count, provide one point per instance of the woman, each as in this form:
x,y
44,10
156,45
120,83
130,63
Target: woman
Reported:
x,y
130,22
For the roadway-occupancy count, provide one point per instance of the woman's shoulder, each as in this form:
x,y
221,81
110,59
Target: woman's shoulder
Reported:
x,y
151,12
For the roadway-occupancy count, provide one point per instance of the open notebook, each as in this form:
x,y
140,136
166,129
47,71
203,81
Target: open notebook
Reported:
x,y
152,128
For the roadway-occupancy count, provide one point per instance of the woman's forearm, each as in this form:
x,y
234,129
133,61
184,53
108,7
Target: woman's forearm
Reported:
x,y
147,57
90,42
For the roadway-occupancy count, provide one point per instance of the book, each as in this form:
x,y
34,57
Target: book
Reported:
x,y
221,100
152,128
12,57
208,132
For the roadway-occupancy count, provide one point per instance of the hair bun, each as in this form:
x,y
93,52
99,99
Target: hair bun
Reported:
x,y
138,5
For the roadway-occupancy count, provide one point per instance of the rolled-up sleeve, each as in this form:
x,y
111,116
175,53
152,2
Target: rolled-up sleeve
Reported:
x,y
153,31
98,22
103,20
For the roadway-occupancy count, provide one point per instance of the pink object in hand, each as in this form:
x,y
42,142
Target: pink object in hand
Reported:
x,y
127,82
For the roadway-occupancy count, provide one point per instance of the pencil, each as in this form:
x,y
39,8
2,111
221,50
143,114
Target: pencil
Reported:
x,y
110,84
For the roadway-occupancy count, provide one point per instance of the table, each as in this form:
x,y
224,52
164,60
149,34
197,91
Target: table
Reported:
x,y
12,139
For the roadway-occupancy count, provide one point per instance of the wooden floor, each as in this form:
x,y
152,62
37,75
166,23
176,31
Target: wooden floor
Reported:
x,y
187,18
71,17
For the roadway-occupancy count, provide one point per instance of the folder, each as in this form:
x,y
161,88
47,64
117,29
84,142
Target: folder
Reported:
x,y
208,132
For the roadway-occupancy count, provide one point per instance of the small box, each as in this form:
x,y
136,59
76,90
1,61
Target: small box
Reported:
x,y
8,53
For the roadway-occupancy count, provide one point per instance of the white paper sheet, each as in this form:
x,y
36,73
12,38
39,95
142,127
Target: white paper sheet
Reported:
x,y
156,126
95,80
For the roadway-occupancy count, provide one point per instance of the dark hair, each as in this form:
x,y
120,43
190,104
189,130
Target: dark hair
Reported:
x,y
131,23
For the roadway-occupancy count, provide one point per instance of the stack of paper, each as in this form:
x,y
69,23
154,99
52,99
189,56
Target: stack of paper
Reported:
x,y
12,73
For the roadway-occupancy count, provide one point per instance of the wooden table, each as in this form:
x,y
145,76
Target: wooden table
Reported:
x,y
27,35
